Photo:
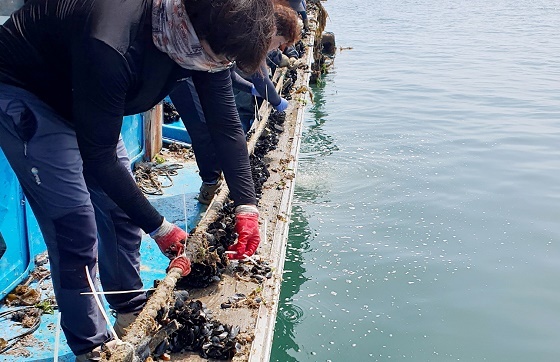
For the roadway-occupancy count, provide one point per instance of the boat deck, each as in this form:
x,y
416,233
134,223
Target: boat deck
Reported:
x,y
179,200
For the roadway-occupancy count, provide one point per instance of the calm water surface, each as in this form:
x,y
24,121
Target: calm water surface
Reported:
x,y
426,222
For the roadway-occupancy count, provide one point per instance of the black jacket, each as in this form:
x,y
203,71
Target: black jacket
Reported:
x,y
94,61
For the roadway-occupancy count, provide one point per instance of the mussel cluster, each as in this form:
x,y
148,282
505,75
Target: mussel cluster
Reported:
x,y
257,271
260,174
267,142
289,81
220,235
201,276
170,114
199,332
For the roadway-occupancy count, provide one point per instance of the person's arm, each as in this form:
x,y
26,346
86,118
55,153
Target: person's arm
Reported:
x,y
265,87
291,52
216,97
240,83
100,83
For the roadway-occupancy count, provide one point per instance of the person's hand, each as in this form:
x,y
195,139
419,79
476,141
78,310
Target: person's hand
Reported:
x,y
292,62
282,105
284,61
255,92
181,262
297,63
170,239
247,228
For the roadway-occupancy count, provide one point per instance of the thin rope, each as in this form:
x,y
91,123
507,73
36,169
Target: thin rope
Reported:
x,y
99,305
117,292
185,211
263,238
57,336
251,259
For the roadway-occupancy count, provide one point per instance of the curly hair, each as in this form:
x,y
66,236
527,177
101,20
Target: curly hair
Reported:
x,y
287,22
240,30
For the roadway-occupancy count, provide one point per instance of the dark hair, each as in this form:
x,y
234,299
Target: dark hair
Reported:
x,y
240,30
287,22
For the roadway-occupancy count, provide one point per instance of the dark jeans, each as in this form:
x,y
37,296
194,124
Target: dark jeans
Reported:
x,y
186,101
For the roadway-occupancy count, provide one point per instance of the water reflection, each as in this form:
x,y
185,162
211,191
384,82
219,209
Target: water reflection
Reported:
x,y
310,188
316,142
289,313
436,220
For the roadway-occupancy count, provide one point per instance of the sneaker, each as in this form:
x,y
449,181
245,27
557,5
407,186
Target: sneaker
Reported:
x,y
123,321
95,354
207,192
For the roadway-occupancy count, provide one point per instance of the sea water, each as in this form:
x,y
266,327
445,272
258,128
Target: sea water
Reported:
x,y
426,219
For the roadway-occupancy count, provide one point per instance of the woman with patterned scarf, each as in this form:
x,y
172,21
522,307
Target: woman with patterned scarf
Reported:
x,y
69,71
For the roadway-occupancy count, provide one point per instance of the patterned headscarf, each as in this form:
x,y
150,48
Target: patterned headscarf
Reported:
x,y
173,34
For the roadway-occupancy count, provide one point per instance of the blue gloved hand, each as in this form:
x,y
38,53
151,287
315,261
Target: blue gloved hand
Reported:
x,y
255,92
282,105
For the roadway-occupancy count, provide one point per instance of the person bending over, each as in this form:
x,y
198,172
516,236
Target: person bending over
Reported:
x,y
69,72
186,100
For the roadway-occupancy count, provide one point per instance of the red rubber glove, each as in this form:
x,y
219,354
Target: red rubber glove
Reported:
x,y
247,228
181,262
170,239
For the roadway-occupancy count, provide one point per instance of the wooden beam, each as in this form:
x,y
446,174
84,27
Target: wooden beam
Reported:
x,y
153,122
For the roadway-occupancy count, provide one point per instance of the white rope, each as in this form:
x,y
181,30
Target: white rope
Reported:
x,y
256,111
185,211
57,336
251,259
101,309
266,91
117,292
265,227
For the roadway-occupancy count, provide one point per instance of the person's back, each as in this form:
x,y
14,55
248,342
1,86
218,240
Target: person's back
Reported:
x,y
69,71
44,45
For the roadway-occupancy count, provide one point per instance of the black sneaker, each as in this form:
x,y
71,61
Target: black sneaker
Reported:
x,y
207,192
